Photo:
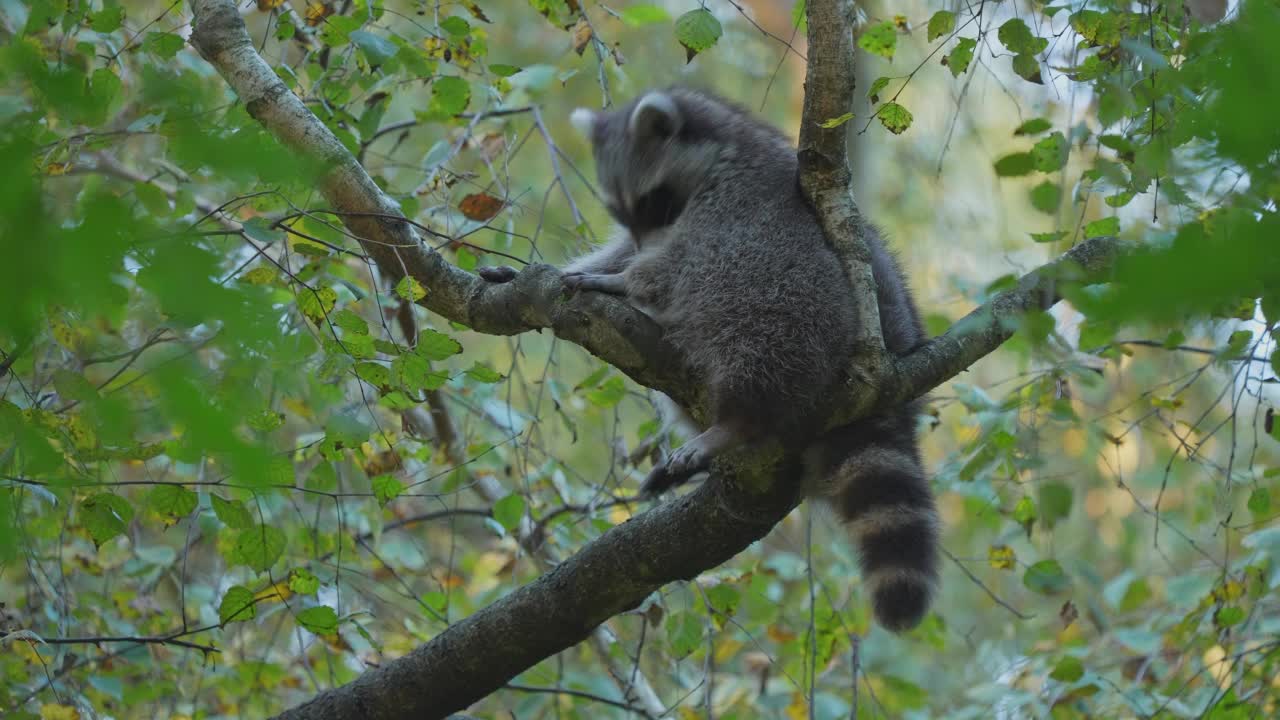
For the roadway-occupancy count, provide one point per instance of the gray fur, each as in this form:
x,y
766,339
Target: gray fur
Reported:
x,y
720,247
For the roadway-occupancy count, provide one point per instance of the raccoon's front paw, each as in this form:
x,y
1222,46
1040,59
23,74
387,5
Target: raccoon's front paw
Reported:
x,y
612,284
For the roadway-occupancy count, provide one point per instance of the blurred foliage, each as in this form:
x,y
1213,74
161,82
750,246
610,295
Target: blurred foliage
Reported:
x,y
223,437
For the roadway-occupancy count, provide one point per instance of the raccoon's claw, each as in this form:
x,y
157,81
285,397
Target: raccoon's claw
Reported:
x,y
497,274
689,460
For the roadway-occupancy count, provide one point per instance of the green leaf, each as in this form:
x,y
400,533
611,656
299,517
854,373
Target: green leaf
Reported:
x,y
337,29
321,620
323,478
1050,153
316,304
374,374
942,22
435,345
684,632
874,93
1015,164
1103,227
377,49
163,44
350,322
836,122
303,582
108,19
258,547
1034,126
1046,197
644,14
509,510
1260,502
1228,616
1016,36
1097,28
960,56
1046,577
410,289
725,599
456,26
237,605
1068,670
450,96
697,30
609,393
483,373
1024,513
386,488
503,70
232,513
1055,502
104,516
1028,68
894,117
880,39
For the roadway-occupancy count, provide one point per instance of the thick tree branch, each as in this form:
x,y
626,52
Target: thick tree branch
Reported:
x,y
825,177
984,329
748,493
613,574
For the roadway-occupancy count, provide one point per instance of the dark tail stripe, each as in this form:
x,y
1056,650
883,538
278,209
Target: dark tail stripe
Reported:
x,y
912,545
871,487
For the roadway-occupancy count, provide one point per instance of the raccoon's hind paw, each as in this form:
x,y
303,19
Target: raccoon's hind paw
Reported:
x,y
497,274
688,460
612,284
669,474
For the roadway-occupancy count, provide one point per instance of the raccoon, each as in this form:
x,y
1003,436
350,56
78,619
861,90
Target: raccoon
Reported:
x,y
719,246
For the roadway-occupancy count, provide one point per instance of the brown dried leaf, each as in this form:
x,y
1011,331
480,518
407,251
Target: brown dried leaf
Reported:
x,y
317,12
581,35
480,207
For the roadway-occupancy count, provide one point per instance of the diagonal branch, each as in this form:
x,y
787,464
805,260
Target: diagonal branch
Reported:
x,y
748,492
607,327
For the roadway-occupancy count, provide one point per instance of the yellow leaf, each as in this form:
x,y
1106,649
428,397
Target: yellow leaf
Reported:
x,y
317,12
274,593
779,634
82,435
1000,557
259,276
59,712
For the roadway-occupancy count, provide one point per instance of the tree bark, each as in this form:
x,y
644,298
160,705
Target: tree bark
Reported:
x,y
748,492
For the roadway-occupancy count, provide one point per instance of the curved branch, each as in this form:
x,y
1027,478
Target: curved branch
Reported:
x,y
613,574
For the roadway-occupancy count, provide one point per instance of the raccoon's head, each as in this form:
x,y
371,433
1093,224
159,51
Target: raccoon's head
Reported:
x,y
652,155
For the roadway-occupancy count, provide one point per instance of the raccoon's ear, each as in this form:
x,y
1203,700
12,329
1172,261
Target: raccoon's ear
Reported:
x,y
655,116
583,120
